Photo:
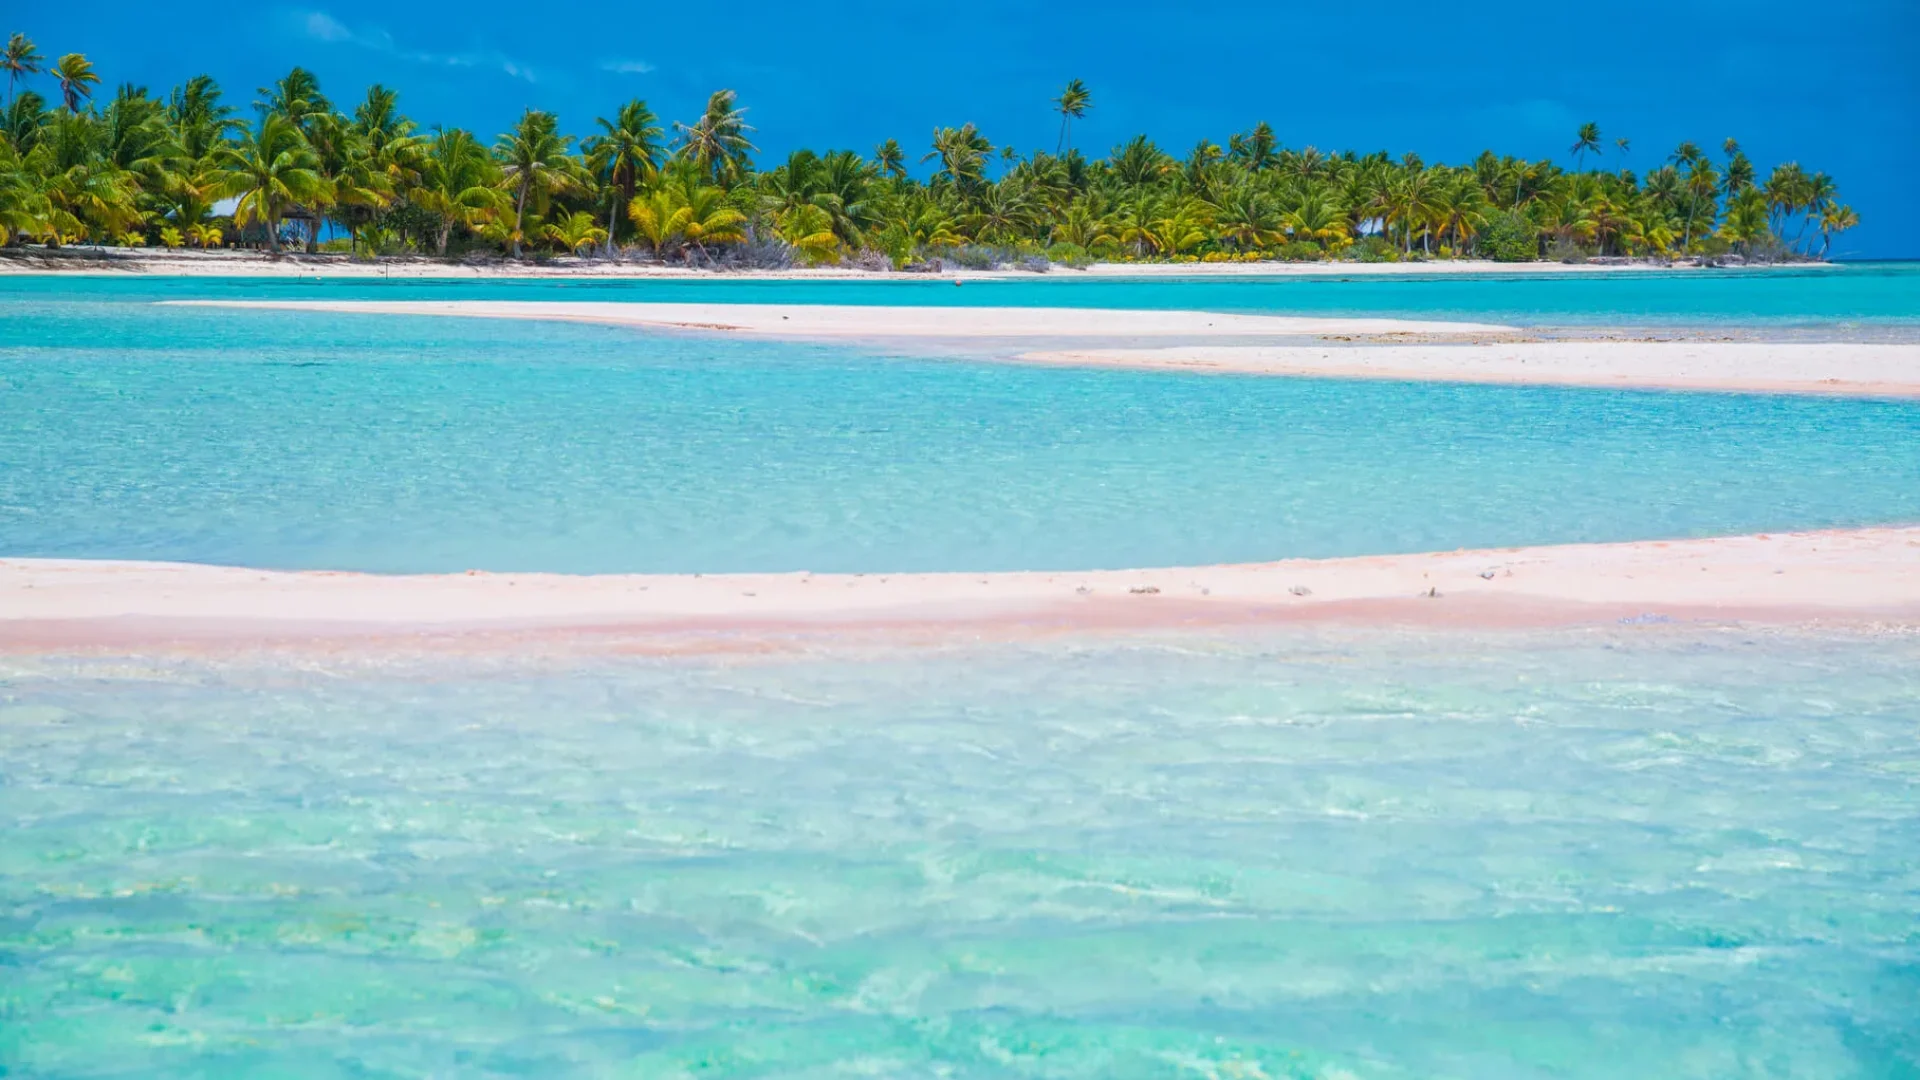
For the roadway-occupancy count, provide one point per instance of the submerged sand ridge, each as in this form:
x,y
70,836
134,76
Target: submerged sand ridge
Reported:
x,y
854,321
1858,575
1442,352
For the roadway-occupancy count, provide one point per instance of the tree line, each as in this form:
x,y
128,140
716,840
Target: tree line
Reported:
x,y
189,170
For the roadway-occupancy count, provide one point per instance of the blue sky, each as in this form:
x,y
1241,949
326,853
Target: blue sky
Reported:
x,y
1834,86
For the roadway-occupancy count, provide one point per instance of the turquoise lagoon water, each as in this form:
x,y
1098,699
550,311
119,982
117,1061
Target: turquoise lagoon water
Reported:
x,y
1841,300
1644,852
416,444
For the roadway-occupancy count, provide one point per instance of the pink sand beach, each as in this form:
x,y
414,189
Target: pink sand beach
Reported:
x,y
1856,577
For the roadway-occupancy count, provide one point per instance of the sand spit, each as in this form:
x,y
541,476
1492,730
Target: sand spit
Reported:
x,y
850,321
1853,370
1848,576
1356,348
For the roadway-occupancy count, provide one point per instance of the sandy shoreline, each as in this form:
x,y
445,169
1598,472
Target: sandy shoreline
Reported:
x,y
1845,576
119,262
874,322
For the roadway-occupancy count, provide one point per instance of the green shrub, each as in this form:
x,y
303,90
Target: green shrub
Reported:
x,y
1301,251
1566,251
1067,254
1373,249
974,257
1510,237
898,245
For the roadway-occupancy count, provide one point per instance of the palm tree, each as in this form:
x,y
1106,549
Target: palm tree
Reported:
x,y
810,230
200,122
88,194
272,169
20,59
362,184
136,167
134,138
1001,215
378,115
717,142
1461,209
1248,219
625,155
1646,229
1133,223
890,159
926,225
711,219
1586,142
1181,226
1686,153
1084,224
197,125
659,218
1746,219
1786,189
1072,104
1318,220
77,80
533,161
1739,175
1413,203
24,207
1835,218
1816,195
296,97
204,235
963,155
683,209
1138,163
457,180
575,232
1701,184
1256,150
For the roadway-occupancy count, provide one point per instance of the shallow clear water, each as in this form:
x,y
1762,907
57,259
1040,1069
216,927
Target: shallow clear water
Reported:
x,y
1836,298
1644,851
1640,852
417,444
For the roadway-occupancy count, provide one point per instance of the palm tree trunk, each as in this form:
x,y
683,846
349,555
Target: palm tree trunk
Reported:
x,y
519,216
1802,234
446,230
613,218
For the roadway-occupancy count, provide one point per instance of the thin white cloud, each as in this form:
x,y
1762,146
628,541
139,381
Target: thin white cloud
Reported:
x,y
325,27
321,26
626,67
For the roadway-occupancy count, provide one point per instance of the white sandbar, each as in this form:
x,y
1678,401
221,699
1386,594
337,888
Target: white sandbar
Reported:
x,y
1864,370
1848,575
